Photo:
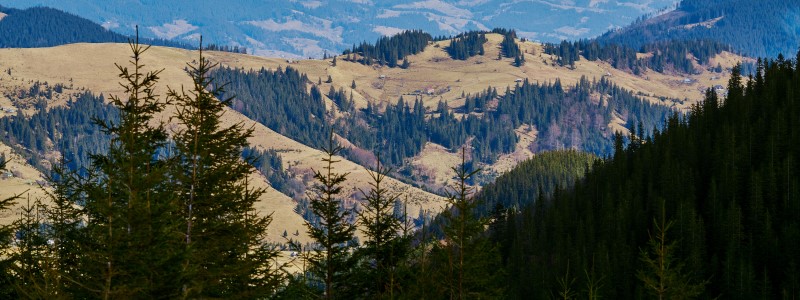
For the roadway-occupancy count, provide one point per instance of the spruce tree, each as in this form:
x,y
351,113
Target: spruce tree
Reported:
x,y
330,260
384,248
405,64
472,259
223,235
130,250
64,231
663,275
33,266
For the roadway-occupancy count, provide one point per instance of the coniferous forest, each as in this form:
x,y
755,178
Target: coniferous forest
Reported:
x,y
68,129
705,207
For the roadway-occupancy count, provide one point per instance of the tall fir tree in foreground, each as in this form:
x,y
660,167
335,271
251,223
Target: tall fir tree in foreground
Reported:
x,y
384,247
131,245
330,261
471,259
64,219
226,255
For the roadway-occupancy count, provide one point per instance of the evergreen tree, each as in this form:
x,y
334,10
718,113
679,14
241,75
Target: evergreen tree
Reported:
x,y
662,276
405,64
519,60
225,252
385,247
63,231
471,258
131,249
330,260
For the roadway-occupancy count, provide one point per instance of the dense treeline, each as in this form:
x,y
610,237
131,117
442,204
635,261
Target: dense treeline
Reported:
x,y
279,100
532,179
662,56
713,196
387,51
226,48
467,45
46,27
66,129
755,28
509,47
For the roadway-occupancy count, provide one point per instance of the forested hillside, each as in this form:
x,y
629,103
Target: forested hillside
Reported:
x,y
713,195
755,28
534,179
662,56
47,27
68,130
279,100
566,118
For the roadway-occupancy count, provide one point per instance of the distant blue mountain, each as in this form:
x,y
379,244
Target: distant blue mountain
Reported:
x,y
310,28
758,28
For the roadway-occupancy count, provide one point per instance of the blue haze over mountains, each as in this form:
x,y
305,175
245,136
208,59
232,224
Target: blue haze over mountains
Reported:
x,y
309,28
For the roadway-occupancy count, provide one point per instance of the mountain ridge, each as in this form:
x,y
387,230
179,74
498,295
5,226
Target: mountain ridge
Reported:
x,y
310,28
754,28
